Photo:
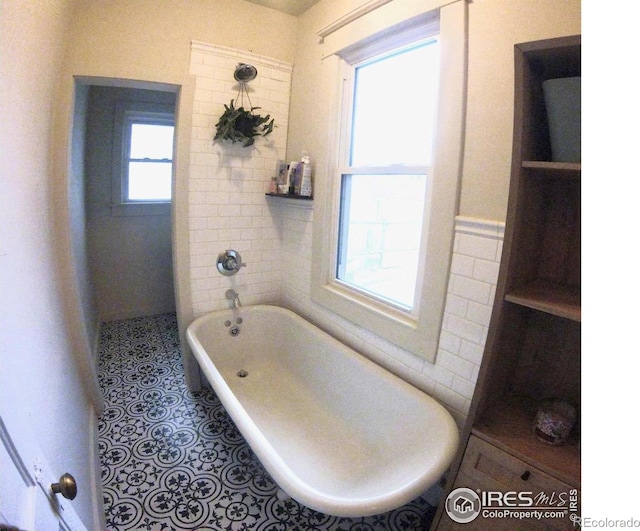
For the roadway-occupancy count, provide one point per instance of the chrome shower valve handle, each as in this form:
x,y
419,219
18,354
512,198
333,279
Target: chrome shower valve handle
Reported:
x,y
229,262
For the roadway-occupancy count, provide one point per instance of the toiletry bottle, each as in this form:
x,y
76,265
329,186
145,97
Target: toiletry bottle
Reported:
x,y
283,183
291,177
306,187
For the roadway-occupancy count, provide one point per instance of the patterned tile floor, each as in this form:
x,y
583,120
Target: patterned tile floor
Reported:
x,y
174,460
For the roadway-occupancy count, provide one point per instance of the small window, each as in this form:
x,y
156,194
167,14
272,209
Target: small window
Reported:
x,y
142,159
147,172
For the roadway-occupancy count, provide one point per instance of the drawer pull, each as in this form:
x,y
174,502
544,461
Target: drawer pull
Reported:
x,y
525,475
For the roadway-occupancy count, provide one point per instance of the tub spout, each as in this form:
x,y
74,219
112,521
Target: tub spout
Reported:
x,y
232,295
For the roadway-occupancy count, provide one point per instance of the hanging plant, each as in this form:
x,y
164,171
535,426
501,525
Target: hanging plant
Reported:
x,y
242,125
239,124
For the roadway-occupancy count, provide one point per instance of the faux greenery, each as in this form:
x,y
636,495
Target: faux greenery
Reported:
x,y
242,125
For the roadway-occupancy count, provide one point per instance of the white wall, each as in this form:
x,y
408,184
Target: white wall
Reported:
x,y
41,359
494,27
78,223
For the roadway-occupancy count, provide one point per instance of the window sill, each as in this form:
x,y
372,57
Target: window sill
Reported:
x,y
399,328
372,305
141,209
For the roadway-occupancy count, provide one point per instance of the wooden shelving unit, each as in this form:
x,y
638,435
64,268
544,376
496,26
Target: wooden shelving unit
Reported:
x,y
532,351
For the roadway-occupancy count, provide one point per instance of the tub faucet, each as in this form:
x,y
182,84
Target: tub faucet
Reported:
x,y
232,295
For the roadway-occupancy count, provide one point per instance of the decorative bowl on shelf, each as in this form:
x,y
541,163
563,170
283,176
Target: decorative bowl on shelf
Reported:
x,y
554,421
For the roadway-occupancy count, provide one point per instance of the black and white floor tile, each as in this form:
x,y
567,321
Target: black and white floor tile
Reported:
x,y
174,460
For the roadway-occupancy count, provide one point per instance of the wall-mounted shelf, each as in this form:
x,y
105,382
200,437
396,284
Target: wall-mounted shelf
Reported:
x,y
292,201
290,196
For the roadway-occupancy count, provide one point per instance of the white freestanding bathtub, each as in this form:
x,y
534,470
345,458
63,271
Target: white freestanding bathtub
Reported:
x,y
337,432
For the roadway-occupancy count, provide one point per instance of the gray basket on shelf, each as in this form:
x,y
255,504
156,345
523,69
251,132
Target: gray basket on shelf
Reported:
x,y
562,100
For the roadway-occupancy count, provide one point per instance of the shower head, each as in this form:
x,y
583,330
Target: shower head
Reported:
x,y
245,73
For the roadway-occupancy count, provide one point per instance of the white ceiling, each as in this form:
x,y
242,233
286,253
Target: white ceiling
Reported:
x,y
292,7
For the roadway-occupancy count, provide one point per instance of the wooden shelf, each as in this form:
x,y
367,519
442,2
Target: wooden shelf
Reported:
x,y
549,297
508,425
567,170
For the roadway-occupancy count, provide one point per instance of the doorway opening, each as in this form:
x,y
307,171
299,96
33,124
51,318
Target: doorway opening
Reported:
x,y
123,147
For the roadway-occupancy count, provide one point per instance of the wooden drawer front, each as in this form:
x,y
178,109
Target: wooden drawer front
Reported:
x,y
487,468
498,470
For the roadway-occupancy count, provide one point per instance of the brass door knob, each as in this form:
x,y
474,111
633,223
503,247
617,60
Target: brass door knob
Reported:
x,y
66,486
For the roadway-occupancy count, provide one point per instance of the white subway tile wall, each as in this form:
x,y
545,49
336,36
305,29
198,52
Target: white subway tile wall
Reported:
x,y
228,209
227,182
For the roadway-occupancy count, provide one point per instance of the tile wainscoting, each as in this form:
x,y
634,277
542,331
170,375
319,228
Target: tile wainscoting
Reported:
x,y
472,285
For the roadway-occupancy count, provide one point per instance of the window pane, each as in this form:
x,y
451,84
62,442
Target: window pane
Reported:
x,y
149,181
380,232
151,141
394,109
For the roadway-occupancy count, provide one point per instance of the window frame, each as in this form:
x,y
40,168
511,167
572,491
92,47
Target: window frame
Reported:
x,y
380,51
127,114
416,331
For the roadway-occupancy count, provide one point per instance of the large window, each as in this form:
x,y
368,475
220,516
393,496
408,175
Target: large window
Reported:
x,y
388,158
384,219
